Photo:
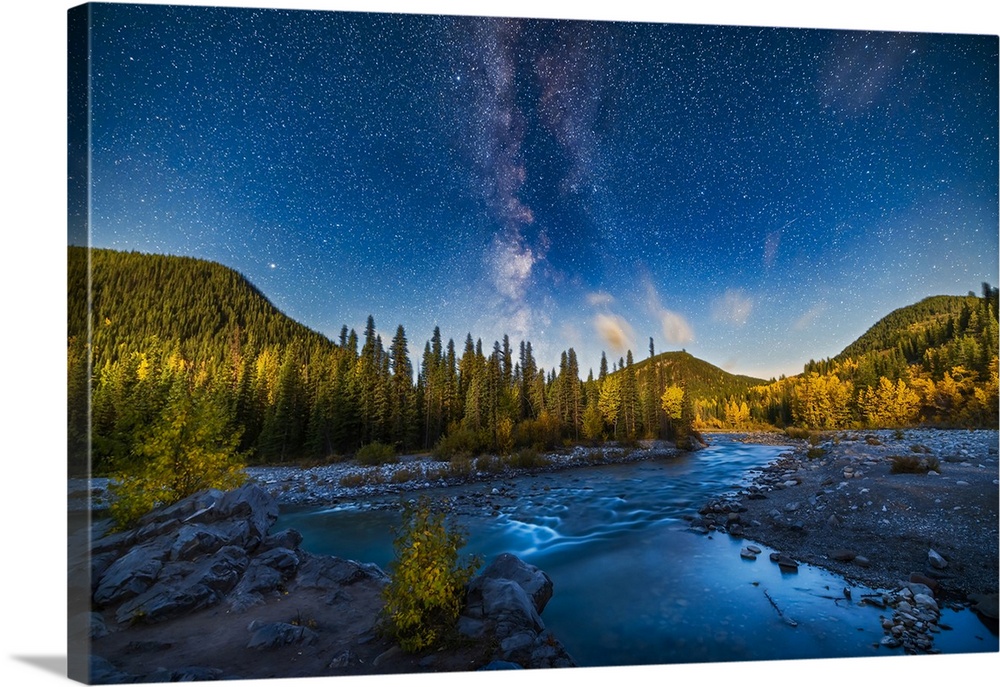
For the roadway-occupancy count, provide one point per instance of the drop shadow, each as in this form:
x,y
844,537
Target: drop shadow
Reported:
x,y
51,664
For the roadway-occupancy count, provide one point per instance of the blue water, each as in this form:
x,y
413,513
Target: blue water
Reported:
x,y
631,584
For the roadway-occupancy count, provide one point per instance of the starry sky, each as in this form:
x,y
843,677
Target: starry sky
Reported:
x,y
756,196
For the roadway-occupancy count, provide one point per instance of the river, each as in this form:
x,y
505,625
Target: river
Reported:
x,y
632,585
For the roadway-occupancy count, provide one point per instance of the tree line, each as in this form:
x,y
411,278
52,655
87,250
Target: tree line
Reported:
x,y
294,401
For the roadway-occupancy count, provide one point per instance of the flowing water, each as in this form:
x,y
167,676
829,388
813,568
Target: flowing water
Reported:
x,y
632,585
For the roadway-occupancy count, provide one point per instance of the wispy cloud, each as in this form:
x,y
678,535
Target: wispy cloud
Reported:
x,y
615,331
600,298
809,316
676,328
733,307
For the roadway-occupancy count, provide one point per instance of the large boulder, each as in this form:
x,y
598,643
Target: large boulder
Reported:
x,y
505,602
535,582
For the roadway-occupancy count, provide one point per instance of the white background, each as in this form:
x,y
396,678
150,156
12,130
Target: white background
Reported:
x,y
32,388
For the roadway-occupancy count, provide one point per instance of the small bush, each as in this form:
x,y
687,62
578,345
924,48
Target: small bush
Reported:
x,y
405,475
352,479
873,440
458,441
815,452
797,433
919,448
899,435
426,580
527,458
375,453
914,464
491,464
460,465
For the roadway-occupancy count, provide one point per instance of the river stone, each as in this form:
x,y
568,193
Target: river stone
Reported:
x,y
748,554
843,555
862,562
929,582
925,601
918,588
786,564
986,605
936,560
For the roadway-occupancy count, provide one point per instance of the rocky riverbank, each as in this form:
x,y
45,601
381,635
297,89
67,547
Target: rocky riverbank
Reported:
x,y
913,513
349,482
203,590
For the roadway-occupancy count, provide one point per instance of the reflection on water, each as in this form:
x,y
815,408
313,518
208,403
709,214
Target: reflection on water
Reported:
x,y
632,585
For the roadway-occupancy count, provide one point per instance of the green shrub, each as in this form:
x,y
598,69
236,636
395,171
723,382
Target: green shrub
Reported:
x,y
427,580
914,464
797,433
352,479
460,465
491,464
458,441
527,458
873,440
815,452
375,453
189,448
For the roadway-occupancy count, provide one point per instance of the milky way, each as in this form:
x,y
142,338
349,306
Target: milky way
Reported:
x,y
756,196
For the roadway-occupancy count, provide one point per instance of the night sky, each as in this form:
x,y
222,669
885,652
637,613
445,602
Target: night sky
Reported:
x,y
756,196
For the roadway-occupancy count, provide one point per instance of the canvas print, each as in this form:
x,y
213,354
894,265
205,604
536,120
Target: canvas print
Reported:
x,y
411,343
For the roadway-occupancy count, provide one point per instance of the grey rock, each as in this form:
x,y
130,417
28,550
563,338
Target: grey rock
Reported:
x,y
131,575
936,560
986,605
843,555
344,659
195,540
203,586
862,562
330,572
272,635
520,641
917,588
925,601
536,583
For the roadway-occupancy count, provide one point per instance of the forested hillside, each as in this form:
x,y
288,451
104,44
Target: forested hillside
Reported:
x,y
934,362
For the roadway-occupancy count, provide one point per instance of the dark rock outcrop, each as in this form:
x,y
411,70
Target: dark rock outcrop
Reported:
x,y
505,602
